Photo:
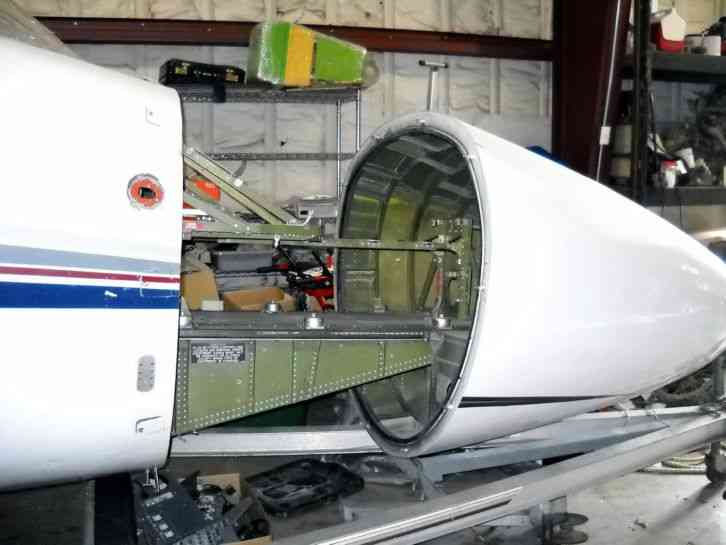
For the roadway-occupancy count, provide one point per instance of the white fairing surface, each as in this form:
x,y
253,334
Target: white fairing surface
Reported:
x,y
586,298
19,26
89,278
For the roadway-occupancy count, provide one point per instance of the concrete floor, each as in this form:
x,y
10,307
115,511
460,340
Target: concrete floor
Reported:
x,y
58,515
638,509
669,510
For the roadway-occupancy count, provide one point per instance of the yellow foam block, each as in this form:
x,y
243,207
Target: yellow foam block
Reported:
x,y
299,65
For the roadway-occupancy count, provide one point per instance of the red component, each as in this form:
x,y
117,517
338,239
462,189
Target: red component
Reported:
x,y
208,188
322,294
145,191
319,287
663,44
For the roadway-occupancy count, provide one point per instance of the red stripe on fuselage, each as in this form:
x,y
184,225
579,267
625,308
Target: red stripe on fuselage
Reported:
x,y
96,275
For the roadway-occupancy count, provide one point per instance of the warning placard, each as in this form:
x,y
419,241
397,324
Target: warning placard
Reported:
x,y
213,352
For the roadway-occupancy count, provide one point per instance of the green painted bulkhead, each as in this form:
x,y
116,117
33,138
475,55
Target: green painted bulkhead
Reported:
x,y
400,334
416,185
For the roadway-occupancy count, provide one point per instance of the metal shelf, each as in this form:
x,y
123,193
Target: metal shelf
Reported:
x,y
686,196
683,67
679,196
280,156
255,94
194,93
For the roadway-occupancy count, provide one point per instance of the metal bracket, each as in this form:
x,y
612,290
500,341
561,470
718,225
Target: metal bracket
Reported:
x,y
235,227
216,173
422,485
483,504
433,67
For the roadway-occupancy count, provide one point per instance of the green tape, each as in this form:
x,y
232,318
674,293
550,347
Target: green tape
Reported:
x,y
267,55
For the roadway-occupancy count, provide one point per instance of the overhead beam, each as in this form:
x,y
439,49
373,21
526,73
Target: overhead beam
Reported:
x,y
236,33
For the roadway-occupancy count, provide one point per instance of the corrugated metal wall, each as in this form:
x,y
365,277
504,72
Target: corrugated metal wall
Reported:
x,y
510,98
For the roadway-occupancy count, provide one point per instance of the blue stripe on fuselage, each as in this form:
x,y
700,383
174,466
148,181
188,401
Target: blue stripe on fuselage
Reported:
x,y
27,295
60,258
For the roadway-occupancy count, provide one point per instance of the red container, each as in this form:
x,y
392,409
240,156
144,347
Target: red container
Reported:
x,y
662,43
668,31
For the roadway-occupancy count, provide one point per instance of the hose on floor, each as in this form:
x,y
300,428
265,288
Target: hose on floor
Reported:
x,y
693,463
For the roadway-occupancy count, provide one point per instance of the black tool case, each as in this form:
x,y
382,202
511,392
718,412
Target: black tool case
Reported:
x,y
177,71
302,484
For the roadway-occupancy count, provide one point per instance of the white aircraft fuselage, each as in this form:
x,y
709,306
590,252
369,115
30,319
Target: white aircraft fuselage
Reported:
x,y
585,298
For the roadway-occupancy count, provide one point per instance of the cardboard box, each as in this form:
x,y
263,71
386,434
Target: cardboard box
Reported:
x,y
288,303
197,287
212,306
256,299
312,304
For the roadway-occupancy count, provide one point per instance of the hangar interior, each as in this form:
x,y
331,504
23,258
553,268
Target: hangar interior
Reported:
x,y
334,275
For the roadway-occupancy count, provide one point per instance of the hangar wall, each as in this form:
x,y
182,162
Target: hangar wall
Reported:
x,y
699,14
509,98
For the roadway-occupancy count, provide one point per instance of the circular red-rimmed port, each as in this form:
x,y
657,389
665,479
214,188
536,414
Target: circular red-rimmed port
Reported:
x,y
145,191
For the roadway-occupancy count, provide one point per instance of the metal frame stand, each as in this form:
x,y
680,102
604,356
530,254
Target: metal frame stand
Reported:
x,y
551,520
338,149
582,433
339,182
715,459
616,443
483,504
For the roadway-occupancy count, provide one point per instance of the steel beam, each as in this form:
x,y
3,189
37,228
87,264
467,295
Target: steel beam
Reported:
x,y
226,181
579,434
482,504
308,441
186,32
573,436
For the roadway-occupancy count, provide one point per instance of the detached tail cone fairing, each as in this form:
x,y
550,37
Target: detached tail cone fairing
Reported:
x,y
570,297
584,297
